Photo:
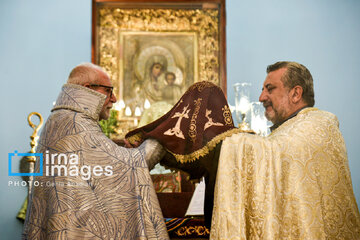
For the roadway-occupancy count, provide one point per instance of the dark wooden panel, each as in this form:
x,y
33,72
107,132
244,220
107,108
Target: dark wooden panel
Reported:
x,y
174,204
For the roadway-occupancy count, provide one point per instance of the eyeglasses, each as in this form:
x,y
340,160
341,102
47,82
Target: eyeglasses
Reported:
x,y
109,89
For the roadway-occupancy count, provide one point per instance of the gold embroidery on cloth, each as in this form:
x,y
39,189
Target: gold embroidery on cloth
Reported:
x,y
201,85
206,149
176,130
227,115
192,128
210,121
190,230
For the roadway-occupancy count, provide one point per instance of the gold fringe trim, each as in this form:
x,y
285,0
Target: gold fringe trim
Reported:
x,y
206,149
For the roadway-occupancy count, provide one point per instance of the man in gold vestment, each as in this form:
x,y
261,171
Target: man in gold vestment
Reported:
x,y
293,184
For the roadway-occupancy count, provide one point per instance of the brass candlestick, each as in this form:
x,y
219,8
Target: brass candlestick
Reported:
x,y
34,138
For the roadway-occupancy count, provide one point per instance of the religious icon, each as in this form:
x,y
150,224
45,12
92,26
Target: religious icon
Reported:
x,y
157,66
154,51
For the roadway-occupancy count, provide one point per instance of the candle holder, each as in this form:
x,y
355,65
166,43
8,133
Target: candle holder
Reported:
x,y
242,105
259,123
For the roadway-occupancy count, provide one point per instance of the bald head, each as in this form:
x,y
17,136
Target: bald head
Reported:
x,y
94,77
85,73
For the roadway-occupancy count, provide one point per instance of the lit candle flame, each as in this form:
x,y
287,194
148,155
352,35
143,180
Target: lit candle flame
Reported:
x,y
137,112
128,111
147,104
121,104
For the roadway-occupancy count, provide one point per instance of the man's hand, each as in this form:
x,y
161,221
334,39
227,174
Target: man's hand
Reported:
x,y
127,144
154,152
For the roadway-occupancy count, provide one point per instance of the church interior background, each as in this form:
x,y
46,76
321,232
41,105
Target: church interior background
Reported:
x,y
41,41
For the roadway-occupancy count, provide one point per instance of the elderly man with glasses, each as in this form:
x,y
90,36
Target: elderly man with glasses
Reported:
x,y
100,190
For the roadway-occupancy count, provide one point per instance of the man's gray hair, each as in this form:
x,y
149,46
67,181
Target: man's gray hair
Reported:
x,y
296,74
85,73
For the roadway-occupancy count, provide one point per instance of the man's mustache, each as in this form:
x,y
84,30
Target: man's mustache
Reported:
x,y
267,104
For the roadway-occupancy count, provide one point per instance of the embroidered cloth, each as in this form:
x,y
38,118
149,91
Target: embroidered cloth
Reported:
x,y
193,127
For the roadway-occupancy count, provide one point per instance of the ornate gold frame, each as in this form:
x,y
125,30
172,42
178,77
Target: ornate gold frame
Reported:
x,y
205,19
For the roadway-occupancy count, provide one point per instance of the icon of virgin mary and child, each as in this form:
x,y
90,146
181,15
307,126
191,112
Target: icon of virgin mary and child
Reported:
x,y
159,83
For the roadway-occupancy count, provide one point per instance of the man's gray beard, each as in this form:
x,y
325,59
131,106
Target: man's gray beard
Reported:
x,y
276,119
267,117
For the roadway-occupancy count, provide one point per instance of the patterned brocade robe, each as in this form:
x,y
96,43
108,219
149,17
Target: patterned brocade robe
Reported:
x,y
293,184
121,205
